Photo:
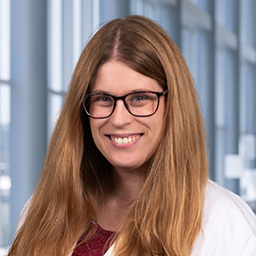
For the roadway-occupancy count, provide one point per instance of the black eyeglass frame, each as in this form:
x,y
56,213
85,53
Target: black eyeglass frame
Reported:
x,y
123,98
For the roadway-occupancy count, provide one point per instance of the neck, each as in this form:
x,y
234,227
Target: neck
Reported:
x,y
127,184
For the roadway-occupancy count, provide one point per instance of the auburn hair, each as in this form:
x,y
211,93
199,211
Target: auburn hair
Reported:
x,y
166,217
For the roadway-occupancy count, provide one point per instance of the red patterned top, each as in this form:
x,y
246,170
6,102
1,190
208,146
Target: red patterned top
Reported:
x,y
95,246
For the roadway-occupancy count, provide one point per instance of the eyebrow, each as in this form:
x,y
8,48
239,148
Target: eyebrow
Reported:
x,y
132,91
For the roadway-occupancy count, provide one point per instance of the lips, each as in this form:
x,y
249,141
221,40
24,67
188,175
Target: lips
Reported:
x,y
122,140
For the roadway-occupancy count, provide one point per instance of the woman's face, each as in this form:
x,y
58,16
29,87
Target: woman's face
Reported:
x,y
126,141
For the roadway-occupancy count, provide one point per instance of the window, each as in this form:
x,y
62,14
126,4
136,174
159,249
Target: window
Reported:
x,y
5,119
70,25
217,39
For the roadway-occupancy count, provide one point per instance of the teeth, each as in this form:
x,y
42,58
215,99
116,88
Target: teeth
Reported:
x,y
124,140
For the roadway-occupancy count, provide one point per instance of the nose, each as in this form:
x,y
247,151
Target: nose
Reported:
x,y
121,115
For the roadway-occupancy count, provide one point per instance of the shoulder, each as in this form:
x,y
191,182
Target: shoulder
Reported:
x,y
220,202
229,225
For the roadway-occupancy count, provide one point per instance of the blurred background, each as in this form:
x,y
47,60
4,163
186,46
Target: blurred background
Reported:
x,y
40,42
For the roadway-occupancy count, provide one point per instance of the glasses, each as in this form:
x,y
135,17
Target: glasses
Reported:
x,y
139,104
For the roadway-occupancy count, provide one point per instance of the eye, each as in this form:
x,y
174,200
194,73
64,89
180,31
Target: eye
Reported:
x,y
104,98
101,99
138,97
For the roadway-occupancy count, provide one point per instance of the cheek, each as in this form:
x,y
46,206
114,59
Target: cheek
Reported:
x,y
92,127
158,131
96,125
94,130
159,123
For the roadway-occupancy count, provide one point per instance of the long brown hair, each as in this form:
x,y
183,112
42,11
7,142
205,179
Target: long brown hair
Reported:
x,y
166,217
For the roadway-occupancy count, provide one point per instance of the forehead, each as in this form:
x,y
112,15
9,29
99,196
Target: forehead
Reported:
x,y
116,78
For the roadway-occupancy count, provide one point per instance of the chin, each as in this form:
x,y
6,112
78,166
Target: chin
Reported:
x,y
130,166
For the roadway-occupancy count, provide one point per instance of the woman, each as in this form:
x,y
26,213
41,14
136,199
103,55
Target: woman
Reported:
x,y
126,170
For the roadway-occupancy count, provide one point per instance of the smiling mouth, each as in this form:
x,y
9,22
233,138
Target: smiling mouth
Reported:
x,y
124,140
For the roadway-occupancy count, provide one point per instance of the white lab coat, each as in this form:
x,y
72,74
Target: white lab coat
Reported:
x,y
229,226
